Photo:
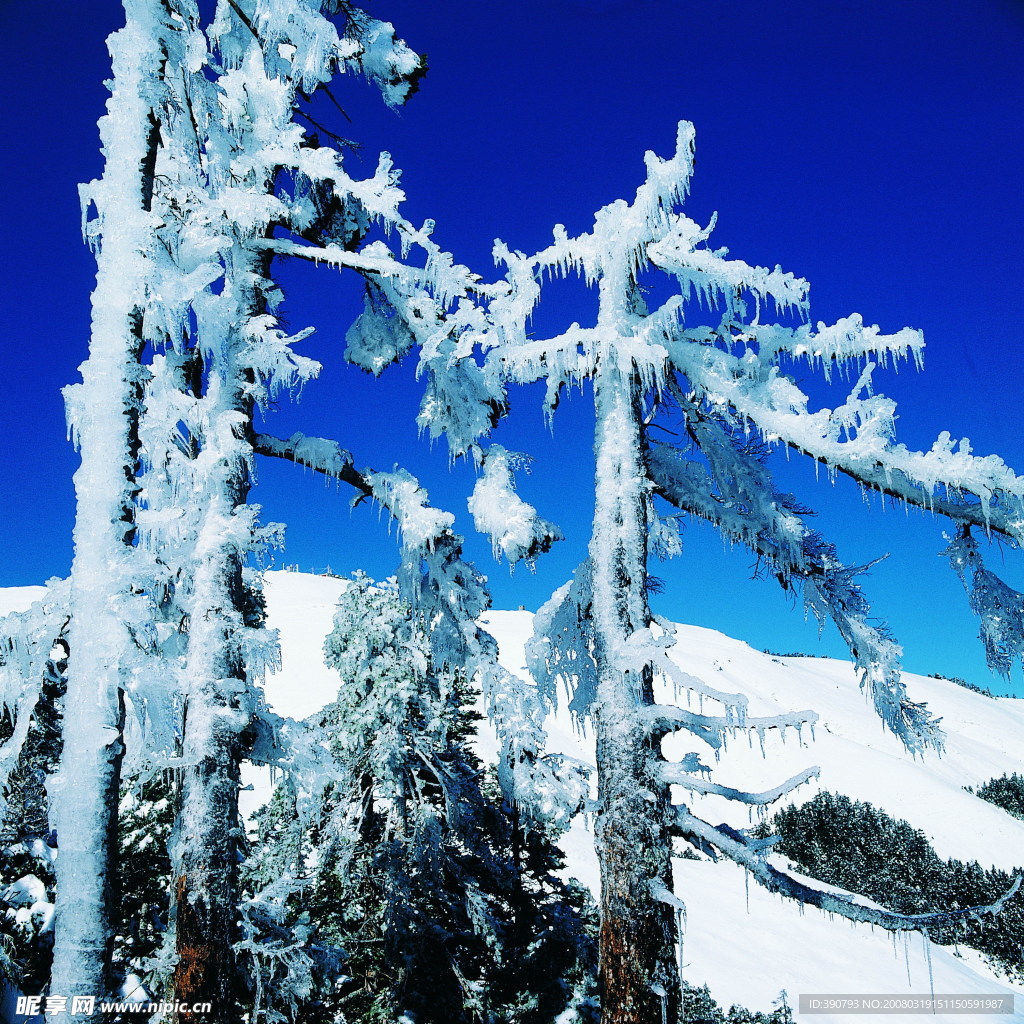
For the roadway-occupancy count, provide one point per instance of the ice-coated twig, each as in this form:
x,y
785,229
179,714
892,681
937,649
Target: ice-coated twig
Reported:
x,y
867,452
662,719
27,641
679,776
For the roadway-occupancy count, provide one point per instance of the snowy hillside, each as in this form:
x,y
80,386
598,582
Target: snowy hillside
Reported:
x,y
747,944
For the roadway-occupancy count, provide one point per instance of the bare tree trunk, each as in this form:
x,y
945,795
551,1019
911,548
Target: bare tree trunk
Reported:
x,y
104,412
639,977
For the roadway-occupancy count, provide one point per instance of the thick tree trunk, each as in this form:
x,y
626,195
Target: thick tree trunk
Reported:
x,y
207,840
639,976
104,412
219,701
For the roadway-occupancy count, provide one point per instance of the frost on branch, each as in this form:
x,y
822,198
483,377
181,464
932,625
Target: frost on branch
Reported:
x,y
999,607
31,642
515,529
449,594
560,651
752,855
739,498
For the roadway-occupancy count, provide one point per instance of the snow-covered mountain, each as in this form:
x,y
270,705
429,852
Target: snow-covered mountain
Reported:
x,y
745,943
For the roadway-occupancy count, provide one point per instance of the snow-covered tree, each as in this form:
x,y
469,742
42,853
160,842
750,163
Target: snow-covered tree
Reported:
x,y
436,580
103,413
725,381
446,908
33,664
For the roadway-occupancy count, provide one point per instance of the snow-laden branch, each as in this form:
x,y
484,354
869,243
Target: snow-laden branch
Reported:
x,y
331,256
710,277
316,453
662,719
644,648
740,500
677,775
560,651
856,439
845,342
27,642
998,606
515,528
737,848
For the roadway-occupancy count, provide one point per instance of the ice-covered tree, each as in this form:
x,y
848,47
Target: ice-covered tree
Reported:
x,y
33,664
722,371
205,163
103,413
436,580
209,178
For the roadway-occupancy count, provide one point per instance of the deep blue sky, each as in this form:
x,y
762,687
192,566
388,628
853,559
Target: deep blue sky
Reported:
x,y
874,148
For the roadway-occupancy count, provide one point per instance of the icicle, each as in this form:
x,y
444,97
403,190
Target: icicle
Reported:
x,y
927,943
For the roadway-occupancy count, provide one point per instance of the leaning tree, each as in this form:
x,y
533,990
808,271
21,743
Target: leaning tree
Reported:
x,y
241,184
725,382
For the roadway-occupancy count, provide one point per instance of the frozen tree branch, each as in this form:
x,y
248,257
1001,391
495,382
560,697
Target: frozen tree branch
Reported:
x,y
329,255
677,775
316,453
856,440
515,528
662,719
738,849
740,500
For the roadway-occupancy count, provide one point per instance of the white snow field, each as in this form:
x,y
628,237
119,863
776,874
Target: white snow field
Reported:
x,y
746,944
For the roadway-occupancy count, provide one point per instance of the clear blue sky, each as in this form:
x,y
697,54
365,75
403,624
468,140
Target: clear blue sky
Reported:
x,y
875,149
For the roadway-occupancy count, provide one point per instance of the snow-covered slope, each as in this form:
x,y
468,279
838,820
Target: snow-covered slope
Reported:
x,y
17,599
746,944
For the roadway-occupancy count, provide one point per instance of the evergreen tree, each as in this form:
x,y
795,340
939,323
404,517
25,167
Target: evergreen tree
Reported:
x,y
858,847
33,683
145,821
1007,792
447,908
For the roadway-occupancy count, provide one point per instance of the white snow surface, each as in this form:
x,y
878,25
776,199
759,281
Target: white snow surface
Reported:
x,y
17,599
745,943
